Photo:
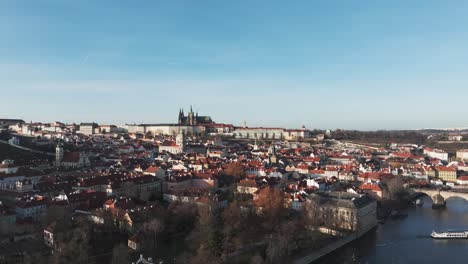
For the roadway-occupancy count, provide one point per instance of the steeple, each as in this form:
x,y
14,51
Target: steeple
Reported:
x,y
181,116
180,139
272,155
59,153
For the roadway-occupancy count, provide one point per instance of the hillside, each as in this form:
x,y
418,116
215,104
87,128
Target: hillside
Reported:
x,y
9,152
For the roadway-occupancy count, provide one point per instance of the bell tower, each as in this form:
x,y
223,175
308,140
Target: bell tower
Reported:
x,y
181,116
59,153
191,117
180,139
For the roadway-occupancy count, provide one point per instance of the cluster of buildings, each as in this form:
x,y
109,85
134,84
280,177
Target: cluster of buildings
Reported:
x,y
191,123
127,171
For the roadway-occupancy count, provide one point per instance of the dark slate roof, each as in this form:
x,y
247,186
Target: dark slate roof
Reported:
x,y
342,199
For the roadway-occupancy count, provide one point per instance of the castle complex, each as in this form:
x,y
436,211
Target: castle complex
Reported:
x,y
192,119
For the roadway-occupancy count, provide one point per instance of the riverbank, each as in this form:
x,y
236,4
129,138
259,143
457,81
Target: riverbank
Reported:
x,y
384,210
314,255
409,236
386,207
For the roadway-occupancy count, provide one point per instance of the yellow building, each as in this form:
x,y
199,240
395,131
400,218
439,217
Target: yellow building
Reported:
x,y
446,173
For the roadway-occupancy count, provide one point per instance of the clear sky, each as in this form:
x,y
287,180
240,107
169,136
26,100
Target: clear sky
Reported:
x,y
323,64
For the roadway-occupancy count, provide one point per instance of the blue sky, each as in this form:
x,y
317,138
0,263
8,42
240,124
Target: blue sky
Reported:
x,y
322,64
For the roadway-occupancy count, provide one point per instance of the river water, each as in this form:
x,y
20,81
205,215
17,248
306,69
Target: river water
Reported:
x,y
408,240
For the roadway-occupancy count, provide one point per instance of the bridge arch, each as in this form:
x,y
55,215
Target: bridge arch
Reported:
x,y
419,195
431,193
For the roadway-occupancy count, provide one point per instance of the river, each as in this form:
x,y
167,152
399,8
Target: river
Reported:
x,y
408,240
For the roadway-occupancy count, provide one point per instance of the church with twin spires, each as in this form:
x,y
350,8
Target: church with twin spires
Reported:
x,y
193,119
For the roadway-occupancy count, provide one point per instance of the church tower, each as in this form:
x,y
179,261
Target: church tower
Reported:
x,y
59,153
272,155
180,140
181,116
191,117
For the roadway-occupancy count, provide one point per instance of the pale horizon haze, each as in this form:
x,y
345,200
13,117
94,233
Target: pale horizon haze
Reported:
x,y
330,64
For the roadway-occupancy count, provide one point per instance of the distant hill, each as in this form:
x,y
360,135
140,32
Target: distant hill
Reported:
x,y
441,131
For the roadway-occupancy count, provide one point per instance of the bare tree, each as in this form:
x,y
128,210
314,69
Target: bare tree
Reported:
x,y
271,201
236,170
395,187
311,214
6,229
55,213
232,217
73,245
257,259
152,230
281,243
120,254
181,217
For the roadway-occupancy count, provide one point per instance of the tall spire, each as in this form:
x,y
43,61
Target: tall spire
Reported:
x,y
191,109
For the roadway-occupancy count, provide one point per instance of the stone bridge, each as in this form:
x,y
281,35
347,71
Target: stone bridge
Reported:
x,y
438,196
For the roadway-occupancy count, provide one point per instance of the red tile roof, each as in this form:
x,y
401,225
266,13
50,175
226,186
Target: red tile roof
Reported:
x,y
371,187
